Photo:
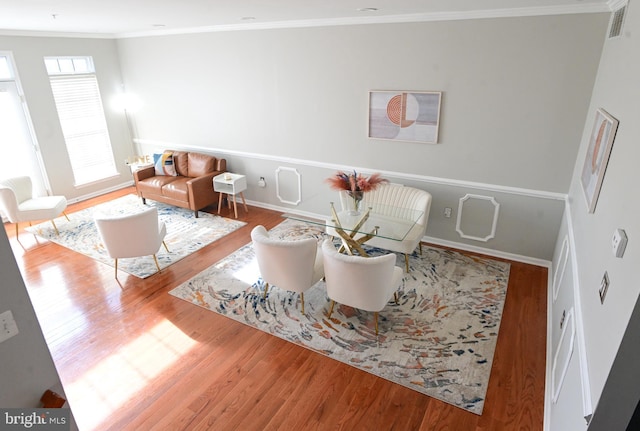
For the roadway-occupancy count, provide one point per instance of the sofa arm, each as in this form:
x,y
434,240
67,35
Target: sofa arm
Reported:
x,y
221,166
144,173
201,191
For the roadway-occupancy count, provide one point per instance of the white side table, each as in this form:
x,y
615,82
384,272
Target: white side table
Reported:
x,y
231,185
136,166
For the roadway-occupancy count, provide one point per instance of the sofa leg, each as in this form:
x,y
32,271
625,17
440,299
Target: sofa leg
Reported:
x,y
144,201
196,213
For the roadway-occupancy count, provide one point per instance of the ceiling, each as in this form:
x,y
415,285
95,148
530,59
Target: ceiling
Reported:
x,y
128,18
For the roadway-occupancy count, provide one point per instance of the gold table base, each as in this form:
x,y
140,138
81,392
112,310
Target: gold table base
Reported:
x,y
349,242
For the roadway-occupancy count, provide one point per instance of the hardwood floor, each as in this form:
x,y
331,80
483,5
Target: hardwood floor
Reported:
x,y
132,357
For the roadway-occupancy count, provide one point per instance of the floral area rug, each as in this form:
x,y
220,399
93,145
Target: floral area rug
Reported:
x,y
438,340
185,233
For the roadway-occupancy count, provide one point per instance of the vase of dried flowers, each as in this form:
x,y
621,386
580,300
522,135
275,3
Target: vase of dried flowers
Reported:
x,y
356,185
356,201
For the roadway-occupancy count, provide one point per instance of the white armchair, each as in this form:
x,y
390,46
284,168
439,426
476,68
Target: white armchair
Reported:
x,y
18,204
293,265
367,283
131,235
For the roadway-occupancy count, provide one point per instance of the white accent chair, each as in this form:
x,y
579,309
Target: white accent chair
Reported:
x,y
131,235
18,204
366,283
396,201
293,265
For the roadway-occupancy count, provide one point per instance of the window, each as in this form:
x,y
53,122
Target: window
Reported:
x,y
77,98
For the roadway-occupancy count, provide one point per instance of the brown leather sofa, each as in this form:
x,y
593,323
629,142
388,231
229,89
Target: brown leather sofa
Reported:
x,y
191,188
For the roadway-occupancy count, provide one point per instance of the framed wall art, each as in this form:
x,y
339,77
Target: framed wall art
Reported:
x,y
595,164
405,115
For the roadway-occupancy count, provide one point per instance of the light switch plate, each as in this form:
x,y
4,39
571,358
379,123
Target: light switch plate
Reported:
x,y
604,286
8,327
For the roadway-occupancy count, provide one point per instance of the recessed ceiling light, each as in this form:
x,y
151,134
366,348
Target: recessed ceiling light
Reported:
x,y
368,9
158,25
247,18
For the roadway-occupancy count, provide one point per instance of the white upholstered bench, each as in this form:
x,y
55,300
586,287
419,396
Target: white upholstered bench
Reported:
x,y
395,201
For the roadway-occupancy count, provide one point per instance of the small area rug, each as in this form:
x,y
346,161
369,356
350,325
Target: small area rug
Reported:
x,y
439,340
185,233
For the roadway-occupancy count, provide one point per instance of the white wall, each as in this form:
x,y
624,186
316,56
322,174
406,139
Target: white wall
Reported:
x,y
27,367
28,53
617,91
515,95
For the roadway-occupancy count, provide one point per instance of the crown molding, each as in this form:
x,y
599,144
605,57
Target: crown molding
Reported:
x,y
329,22
78,35
385,19
616,4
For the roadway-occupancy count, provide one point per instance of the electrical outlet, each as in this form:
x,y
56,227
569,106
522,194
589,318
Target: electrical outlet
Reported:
x,y
619,242
447,212
8,327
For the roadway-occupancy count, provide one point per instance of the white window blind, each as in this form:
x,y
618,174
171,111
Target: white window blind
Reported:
x,y
79,106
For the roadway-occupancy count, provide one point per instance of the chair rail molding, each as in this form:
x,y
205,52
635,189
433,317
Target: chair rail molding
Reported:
x,y
485,187
288,185
465,200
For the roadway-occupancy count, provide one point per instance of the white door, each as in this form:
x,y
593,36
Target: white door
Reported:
x,y
16,142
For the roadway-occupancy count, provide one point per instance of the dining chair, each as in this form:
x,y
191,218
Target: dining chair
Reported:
x,y
293,265
366,283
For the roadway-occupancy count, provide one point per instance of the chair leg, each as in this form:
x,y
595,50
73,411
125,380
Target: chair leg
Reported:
x,y
420,245
266,288
155,259
55,227
406,262
375,319
165,246
302,300
17,230
116,265
395,297
331,309
66,216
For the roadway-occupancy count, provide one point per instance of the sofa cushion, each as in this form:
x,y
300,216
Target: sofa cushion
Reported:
x,y
154,184
181,162
200,164
177,189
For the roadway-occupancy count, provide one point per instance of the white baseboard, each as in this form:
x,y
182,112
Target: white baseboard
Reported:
x,y
101,192
489,252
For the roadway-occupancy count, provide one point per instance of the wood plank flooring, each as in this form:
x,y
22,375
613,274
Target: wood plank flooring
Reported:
x,y
132,357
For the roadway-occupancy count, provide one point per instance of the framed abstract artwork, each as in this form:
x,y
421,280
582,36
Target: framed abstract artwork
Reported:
x,y
595,164
405,115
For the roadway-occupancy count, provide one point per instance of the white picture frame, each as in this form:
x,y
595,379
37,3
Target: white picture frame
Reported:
x,y
597,158
412,116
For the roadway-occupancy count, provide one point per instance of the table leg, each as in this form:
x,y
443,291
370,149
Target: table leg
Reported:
x,y
244,203
349,243
219,202
235,206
